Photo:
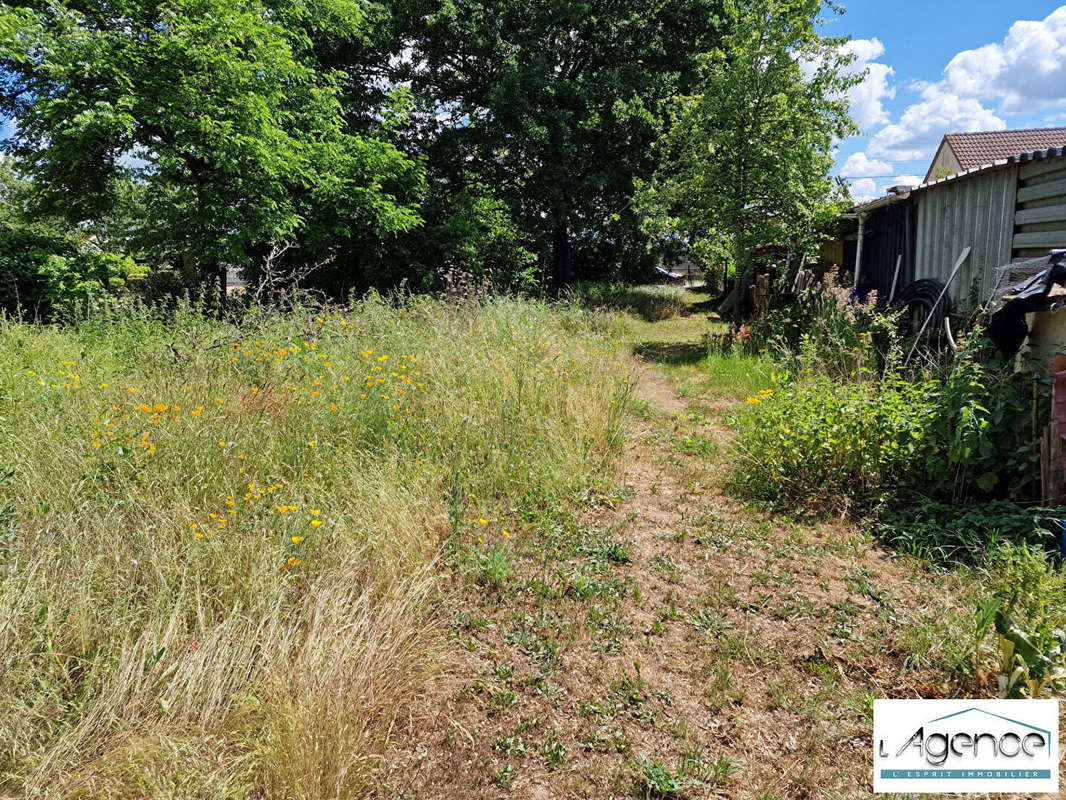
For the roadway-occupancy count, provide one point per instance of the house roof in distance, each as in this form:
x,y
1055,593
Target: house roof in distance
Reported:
x,y
977,149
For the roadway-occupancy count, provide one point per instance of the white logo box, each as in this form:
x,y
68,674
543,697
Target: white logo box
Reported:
x,y
950,746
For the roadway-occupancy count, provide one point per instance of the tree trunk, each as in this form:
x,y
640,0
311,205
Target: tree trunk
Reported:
x,y
745,271
222,294
562,255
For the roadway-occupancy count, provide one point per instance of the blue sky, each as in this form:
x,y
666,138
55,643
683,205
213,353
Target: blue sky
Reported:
x,y
943,66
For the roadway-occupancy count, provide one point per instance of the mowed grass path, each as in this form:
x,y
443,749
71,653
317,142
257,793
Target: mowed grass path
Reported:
x,y
672,641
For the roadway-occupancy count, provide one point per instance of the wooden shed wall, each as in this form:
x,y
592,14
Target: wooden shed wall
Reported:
x,y
1040,217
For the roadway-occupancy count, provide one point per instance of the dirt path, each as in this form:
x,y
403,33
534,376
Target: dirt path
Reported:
x,y
674,639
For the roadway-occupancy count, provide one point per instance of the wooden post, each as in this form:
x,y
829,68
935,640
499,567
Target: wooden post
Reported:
x,y
799,272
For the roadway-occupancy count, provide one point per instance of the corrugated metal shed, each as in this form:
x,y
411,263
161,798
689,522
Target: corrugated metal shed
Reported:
x,y
978,213
1010,210
889,232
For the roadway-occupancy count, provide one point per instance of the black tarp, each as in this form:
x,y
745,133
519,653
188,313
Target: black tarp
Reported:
x,y
1006,327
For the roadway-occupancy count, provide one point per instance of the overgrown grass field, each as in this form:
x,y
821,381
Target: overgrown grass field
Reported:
x,y
219,543
450,550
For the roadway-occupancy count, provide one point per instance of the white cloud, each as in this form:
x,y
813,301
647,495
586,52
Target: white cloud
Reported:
x,y
1023,73
859,165
867,98
1027,71
864,50
923,124
863,189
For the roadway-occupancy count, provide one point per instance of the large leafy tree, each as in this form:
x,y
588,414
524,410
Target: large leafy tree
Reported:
x,y
553,105
747,162
216,109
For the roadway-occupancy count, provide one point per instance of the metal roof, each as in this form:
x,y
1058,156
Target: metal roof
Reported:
x,y
1020,158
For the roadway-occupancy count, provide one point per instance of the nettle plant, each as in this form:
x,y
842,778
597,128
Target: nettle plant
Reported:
x,y
987,429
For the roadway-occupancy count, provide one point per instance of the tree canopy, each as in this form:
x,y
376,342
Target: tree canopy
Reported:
x,y
747,159
526,142
216,107
557,104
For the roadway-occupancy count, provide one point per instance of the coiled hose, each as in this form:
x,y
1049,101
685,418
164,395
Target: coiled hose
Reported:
x,y
923,301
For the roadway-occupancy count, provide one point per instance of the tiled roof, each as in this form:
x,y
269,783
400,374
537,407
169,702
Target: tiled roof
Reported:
x,y
977,149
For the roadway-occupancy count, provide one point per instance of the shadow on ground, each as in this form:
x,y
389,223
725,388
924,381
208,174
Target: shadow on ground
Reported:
x,y
671,352
707,307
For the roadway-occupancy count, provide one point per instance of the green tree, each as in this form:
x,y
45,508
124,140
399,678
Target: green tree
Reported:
x,y
216,109
555,104
747,161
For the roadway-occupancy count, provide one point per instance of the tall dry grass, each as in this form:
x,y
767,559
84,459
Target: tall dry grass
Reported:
x,y
650,303
219,543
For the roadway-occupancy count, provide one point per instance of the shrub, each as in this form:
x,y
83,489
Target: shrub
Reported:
x,y
830,443
962,436
24,254
44,276
828,331
478,236
985,440
70,284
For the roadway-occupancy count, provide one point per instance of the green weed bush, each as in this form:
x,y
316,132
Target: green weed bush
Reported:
x,y
986,429
819,441
959,436
828,332
45,277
